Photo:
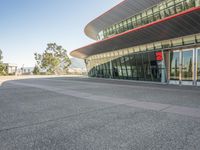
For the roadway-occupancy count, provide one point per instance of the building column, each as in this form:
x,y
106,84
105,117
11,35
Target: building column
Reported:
x,y
111,70
163,72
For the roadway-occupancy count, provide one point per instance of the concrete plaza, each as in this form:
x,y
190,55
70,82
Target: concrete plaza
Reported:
x,y
75,113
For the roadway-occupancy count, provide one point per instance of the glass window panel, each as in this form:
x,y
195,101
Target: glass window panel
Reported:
x,y
198,38
158,45
146,66
131,50
128,66
162,6
119,69
139,66
143,48
179,7
189,39
125,51
120,52
149,12
178,1
139,22
174,65
144,14
155,67
177,42
170,3
166,44
129,20
115,72
187,65
134,24
172,10
145,20
162,14
150,18
133,66
130,26
198,64
150,46
138,16
137,49
155,9
156,16
133,18
123,66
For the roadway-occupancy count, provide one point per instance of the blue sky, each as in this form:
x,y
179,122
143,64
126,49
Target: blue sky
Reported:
x,y
26,26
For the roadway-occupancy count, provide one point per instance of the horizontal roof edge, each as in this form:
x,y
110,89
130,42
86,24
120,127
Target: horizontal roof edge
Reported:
x,y
78,53
117,14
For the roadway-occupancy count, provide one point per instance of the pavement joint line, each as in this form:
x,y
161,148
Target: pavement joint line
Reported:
x,y
162,110
122,85
61,118
194,112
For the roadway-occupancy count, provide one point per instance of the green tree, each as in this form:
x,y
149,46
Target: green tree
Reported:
x,y
54,59
2,70
36,70
1,56
2,66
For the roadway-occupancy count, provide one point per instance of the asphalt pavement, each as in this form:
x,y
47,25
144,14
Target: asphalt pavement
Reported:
x,y
74,113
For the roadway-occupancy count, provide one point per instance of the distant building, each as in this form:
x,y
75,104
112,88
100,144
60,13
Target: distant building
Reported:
x,y
11,69
27,70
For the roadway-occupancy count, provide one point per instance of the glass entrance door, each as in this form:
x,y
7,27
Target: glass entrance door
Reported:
x,y
187,67
182,67
174,67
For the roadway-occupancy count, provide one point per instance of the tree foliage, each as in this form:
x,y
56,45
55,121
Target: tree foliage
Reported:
x,y
2,66
54,59
1,56
36,70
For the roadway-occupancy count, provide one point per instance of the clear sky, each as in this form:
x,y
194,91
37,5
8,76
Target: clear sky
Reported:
x,y
26,26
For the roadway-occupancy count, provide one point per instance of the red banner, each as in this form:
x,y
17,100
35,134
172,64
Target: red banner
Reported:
x,y
159,56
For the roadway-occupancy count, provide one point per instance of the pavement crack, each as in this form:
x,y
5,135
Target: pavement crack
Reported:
x,y
165,108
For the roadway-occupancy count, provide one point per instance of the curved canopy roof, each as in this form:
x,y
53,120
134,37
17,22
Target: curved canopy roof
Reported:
x,y
123,10
182,24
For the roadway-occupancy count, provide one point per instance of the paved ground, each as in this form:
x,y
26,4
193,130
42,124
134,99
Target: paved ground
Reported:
x,y
96,114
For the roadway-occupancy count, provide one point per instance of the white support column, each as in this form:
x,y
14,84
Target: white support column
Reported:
x,y
163,73
195,66
111,70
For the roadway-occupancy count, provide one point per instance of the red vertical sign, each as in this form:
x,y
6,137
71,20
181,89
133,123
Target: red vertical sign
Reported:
x,y
159,56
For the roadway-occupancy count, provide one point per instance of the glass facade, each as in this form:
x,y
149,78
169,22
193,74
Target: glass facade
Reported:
x,y
158,62
198,64
140,66
174,65
182,63
187,65
157,12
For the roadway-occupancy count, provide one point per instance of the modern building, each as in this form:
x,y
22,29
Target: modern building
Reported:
x,y
146,40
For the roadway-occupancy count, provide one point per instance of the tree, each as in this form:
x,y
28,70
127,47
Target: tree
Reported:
x,y
1,56
54,59
2,66
2,69
36,70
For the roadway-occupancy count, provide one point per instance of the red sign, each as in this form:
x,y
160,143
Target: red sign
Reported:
x,y
159,56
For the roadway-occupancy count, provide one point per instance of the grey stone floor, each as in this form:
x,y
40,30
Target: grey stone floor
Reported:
x,y
97,114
